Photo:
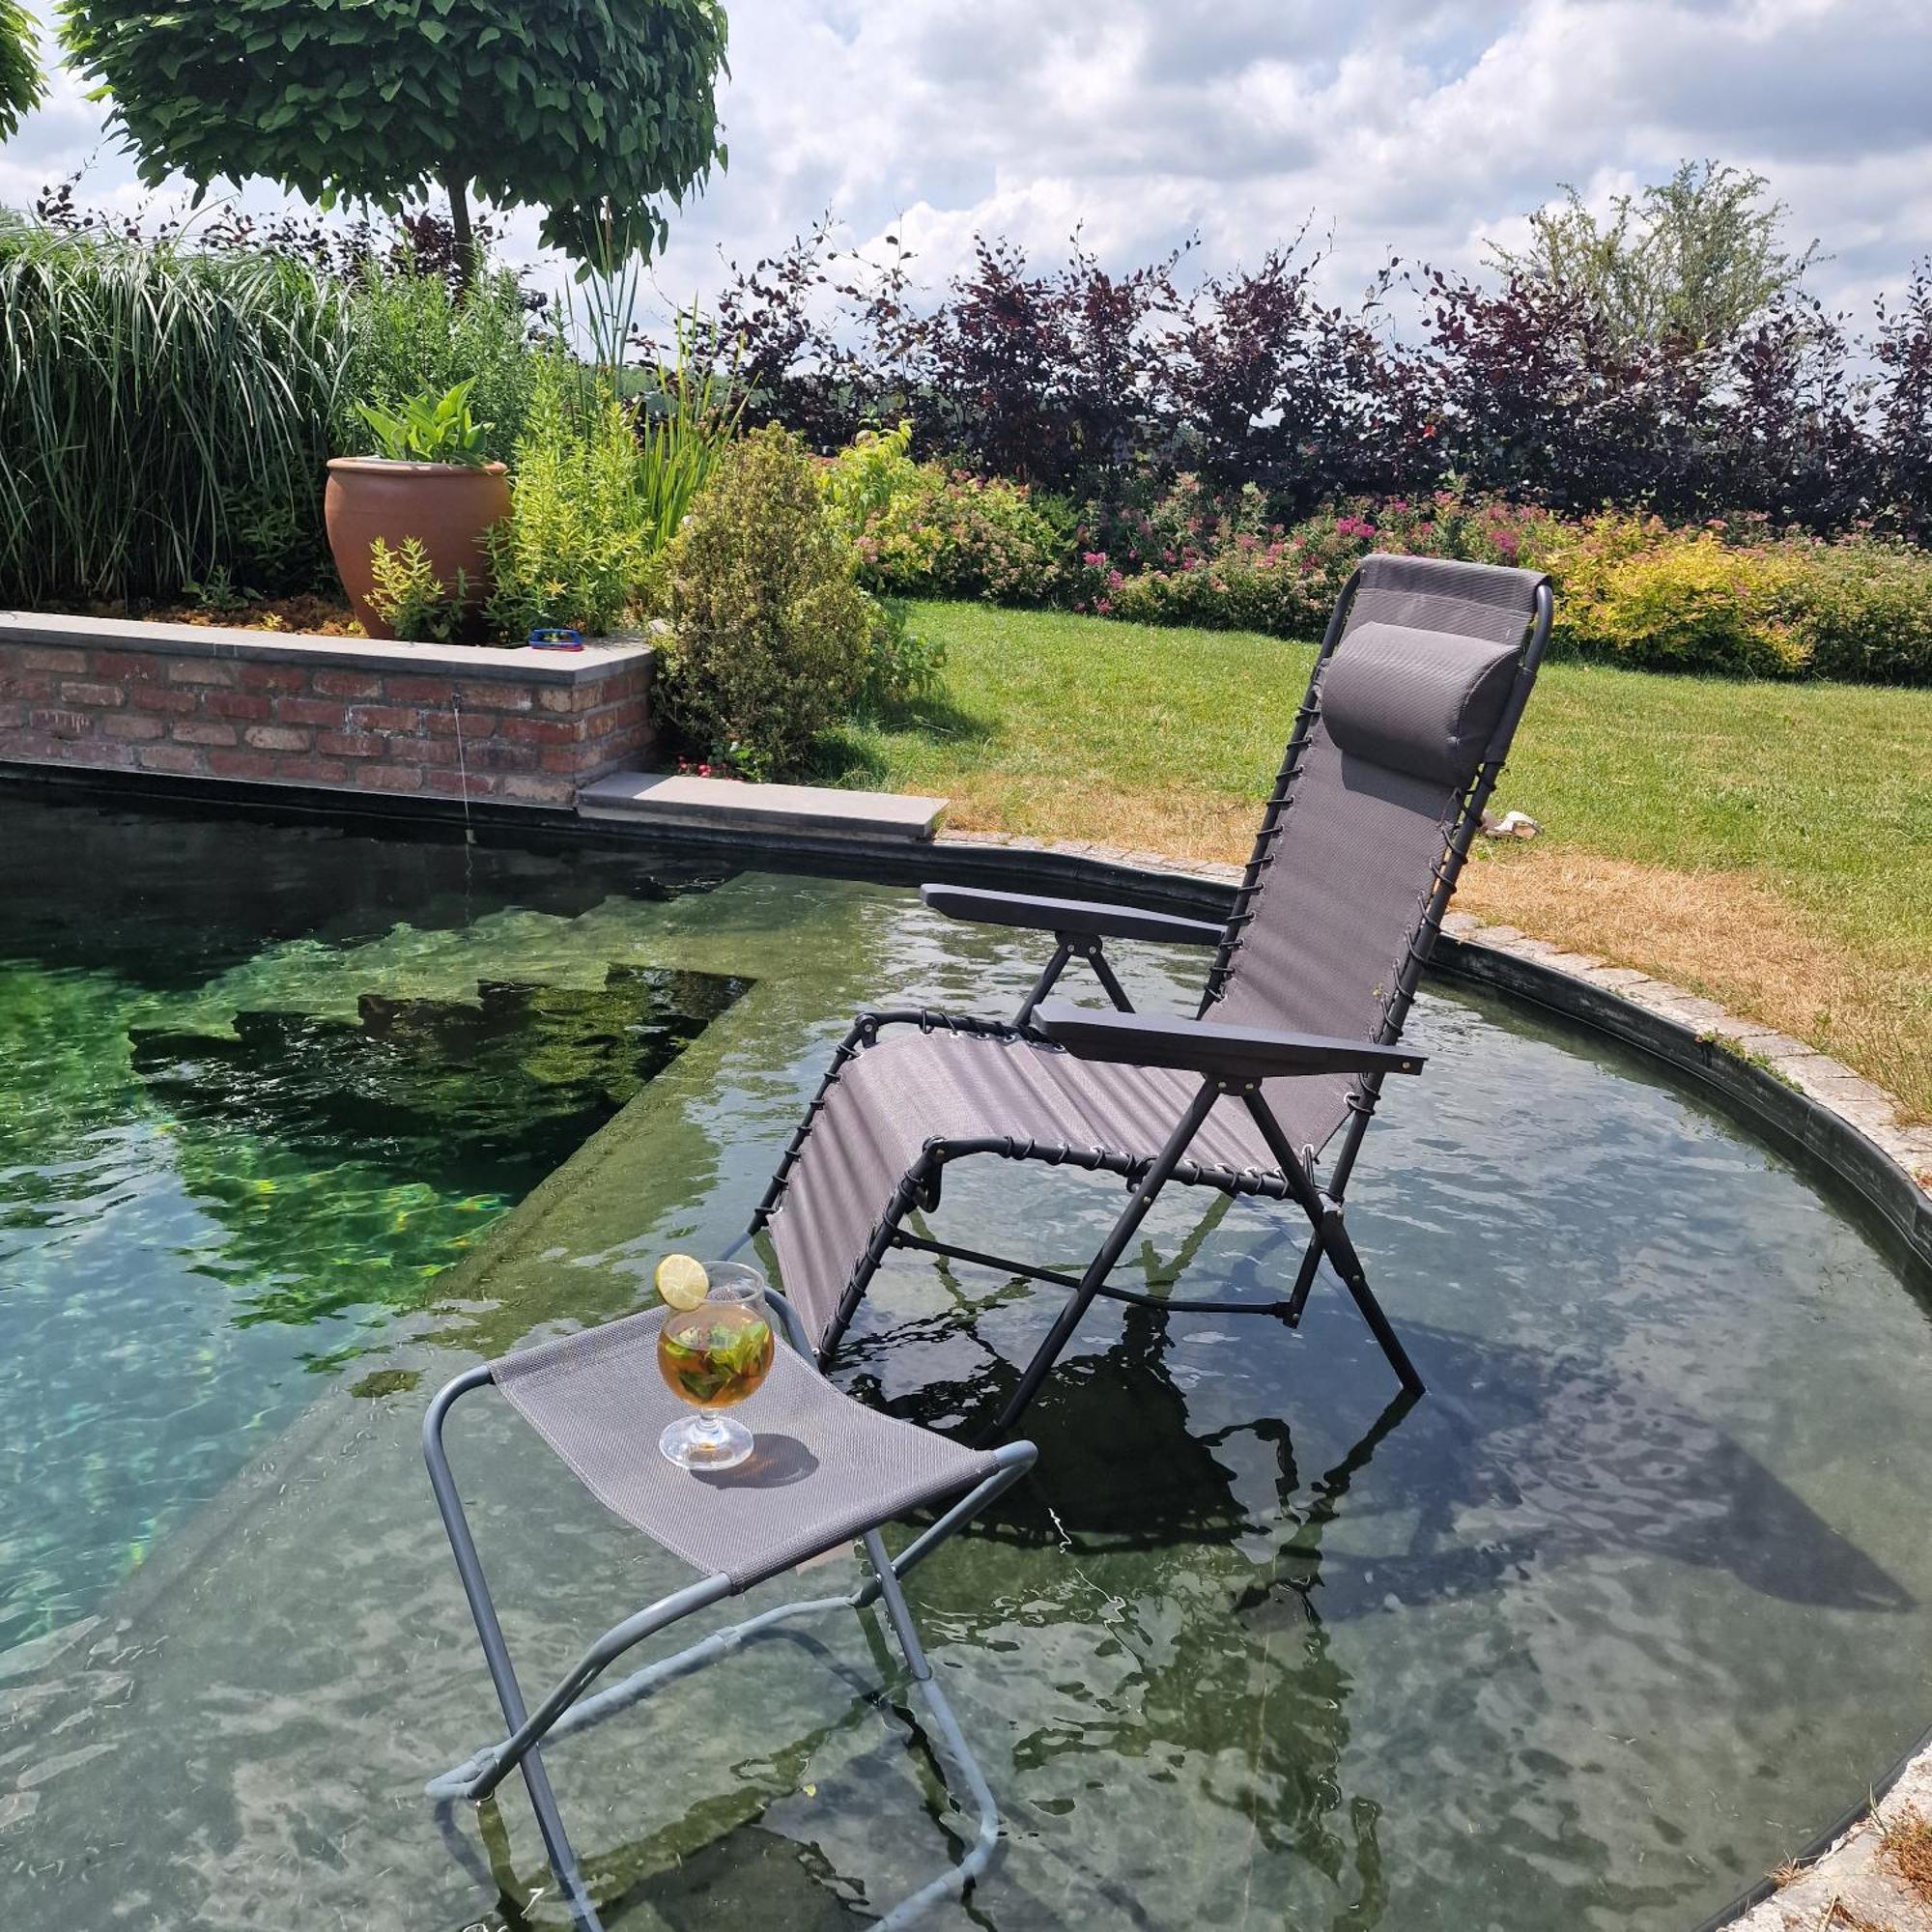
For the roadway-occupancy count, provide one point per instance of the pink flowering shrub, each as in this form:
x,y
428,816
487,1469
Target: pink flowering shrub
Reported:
x,y
1188,561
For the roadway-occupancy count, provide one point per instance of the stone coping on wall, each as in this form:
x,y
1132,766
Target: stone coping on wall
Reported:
x,y
599,656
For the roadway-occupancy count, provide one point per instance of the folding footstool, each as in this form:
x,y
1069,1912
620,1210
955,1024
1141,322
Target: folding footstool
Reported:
x,y
826,1471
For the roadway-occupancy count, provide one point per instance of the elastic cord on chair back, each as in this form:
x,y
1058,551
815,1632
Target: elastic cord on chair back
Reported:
x,y
1407,710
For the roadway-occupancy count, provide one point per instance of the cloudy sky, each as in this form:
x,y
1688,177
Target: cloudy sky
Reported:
x,y
1421,126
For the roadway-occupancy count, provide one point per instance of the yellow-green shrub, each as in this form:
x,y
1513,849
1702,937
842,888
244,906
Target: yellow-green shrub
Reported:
x,y
575,550
1632,589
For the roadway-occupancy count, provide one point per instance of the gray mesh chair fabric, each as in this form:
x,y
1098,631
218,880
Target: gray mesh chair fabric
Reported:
x,y
913,1087
1322,950
1408,715
1346,876
825,1468
1467,600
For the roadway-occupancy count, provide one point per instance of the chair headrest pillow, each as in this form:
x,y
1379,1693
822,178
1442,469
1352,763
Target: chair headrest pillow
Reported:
x,y
1426,702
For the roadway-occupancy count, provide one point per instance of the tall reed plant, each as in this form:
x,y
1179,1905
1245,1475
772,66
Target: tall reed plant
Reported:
x,y
686,413
160,406
687,409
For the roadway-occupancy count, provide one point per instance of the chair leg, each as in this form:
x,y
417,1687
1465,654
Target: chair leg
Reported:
x,y
1049,975
495,1653
1109,982
568,1709
956,1752
1014,1459
1304,1281
1341,1250
1331,1238
1102,1265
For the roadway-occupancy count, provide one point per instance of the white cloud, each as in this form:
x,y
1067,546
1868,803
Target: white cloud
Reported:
x,y
1422,126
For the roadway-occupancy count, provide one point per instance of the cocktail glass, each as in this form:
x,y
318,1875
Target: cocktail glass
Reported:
x,y
713,1356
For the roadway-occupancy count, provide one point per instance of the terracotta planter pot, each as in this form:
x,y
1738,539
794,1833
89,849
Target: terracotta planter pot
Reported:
x,y
445,506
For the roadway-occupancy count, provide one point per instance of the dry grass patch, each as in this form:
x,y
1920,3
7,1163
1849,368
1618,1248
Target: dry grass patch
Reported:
x,y
1905,1845
1730,937
1178,824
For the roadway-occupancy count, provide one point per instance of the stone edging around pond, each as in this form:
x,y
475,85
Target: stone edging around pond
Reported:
x,y
1835,1118
511,728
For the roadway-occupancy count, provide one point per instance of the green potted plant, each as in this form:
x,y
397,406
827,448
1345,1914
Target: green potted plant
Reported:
x,y
429,480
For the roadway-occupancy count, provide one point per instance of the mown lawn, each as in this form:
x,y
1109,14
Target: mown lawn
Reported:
x,y
1769,844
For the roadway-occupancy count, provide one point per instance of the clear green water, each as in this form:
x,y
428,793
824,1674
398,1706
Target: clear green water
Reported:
x,y
253,1098
1632,1603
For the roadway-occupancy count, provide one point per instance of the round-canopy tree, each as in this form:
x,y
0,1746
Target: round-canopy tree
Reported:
x,y
21,81
593,110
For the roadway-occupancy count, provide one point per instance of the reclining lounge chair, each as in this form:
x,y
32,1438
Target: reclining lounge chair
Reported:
x,y
1415,696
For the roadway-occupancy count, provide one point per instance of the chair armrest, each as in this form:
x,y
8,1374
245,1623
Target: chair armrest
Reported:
x,y
1084,919
1200,1046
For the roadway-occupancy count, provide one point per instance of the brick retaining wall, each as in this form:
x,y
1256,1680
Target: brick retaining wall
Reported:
x,y
516,728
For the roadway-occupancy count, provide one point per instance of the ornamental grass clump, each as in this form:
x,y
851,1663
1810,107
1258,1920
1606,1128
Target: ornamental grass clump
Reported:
x,y
685,416
770,630
160,408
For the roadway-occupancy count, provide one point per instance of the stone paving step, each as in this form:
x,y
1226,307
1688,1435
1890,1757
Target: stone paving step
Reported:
x,y
691,804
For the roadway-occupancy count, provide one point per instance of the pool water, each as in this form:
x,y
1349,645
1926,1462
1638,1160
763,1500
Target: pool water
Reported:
x,y
1624,1608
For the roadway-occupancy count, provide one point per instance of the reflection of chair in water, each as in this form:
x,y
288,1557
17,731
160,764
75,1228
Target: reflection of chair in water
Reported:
x,y
1409,711
1569,1460
838,1472
1206,1692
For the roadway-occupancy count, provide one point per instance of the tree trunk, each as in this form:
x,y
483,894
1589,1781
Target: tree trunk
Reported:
x,y
461,231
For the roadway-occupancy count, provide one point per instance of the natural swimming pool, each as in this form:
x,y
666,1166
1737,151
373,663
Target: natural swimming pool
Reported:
x,y
1625,1607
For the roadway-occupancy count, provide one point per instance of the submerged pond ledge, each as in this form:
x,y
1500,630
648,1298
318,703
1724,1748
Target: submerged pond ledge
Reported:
x,y
510,727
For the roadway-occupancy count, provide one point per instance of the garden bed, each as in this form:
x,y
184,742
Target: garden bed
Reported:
x,y
518,727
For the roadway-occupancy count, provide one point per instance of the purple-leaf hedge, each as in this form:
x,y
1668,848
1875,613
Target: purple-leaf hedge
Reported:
x,y
1082,382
